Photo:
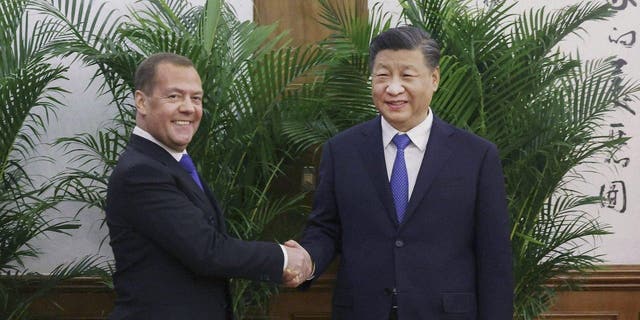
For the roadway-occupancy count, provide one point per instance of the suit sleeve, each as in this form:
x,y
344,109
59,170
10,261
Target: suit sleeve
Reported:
x,y
321,237
493,247
160,211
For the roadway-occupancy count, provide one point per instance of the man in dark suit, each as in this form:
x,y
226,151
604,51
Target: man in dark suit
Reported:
x,y
173,255
415,207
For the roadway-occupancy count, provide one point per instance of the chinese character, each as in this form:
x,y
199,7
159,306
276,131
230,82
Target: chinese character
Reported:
x,y
624,161
626,39
491,3
618,64
623,4
616,133
615,197
625,105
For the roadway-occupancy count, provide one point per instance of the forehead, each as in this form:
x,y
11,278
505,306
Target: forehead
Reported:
x,y
404,58
170,75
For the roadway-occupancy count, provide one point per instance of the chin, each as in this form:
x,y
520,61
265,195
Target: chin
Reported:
x,y
396,117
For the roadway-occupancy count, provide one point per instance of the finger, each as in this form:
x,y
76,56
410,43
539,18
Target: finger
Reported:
x,y
292,283
291,280
289,273
292,244
288,278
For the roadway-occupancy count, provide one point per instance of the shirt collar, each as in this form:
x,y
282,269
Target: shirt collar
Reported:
x,y
146,135
419,134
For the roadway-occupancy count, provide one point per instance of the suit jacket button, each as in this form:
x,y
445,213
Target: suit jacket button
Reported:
x,y
399,243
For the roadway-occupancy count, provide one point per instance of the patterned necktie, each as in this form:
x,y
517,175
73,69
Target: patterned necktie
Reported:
x,y
399,179
188,165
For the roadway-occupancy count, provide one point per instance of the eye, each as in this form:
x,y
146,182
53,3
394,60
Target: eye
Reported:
x,y
197,99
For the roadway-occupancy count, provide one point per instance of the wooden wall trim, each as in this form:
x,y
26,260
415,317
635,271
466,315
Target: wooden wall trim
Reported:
x,y
581,316
606,277
80,284
610,293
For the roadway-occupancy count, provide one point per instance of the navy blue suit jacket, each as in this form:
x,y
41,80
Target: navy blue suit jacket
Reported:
x,y
173,255
450,258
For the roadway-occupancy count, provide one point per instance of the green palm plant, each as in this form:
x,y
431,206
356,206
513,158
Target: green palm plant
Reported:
x,y
251,80
502,78
28,99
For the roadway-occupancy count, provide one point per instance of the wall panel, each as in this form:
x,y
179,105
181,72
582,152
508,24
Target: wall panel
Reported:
x,y
299,17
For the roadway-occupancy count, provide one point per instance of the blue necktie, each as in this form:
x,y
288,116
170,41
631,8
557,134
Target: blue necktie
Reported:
x,y
188,165
399,179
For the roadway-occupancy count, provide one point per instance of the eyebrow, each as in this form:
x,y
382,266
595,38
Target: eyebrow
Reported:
x,y
172,89
402,67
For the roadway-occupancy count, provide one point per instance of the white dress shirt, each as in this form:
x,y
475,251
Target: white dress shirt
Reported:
x,y
144,134
413,153
178,155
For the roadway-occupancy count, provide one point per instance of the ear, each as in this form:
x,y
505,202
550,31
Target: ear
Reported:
x,y
435,78
140,100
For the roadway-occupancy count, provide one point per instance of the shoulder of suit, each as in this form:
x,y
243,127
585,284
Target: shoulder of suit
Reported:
x,y
133,160
358,130
465,135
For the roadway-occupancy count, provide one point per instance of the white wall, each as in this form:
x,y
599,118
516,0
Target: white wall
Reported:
x,y
623,247
603,39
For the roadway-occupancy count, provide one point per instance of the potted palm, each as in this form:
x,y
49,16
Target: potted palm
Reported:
x,y
28,97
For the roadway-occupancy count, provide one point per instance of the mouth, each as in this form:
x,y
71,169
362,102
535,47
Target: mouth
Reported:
x,y
396,104
182,122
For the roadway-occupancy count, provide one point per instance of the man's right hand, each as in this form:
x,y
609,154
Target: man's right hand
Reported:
x,y
299,266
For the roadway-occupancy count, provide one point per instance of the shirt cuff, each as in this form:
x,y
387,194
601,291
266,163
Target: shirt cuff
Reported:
x,y
286,257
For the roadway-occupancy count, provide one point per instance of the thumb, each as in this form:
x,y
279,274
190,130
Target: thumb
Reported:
x,y
292,244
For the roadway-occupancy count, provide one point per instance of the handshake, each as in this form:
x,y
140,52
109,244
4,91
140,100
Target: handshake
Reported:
x,y
299,266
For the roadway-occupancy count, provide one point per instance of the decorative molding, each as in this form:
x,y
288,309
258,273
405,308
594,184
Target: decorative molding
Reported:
x,y
75,285
311,316
606,278
581,316
612,292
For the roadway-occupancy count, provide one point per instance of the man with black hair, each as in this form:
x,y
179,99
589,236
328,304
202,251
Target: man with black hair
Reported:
x,y
414,207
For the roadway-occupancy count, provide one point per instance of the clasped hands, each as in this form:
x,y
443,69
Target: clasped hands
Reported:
x,y
299,266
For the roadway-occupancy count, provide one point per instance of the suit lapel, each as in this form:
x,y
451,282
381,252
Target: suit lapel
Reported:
x,y
436,155
204,200
372,154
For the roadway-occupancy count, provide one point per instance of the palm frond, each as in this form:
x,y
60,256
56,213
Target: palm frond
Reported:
x,y
543,30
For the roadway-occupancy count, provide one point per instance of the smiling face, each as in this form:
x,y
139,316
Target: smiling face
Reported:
x,y
172,110
402,86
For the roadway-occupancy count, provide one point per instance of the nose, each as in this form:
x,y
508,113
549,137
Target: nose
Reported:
x,y
395,87
187,106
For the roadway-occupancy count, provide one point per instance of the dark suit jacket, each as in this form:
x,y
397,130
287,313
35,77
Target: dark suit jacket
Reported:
x,y
450,258
173,255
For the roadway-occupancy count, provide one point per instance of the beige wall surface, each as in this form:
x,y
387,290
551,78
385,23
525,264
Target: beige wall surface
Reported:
x,y
615,178
618,178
